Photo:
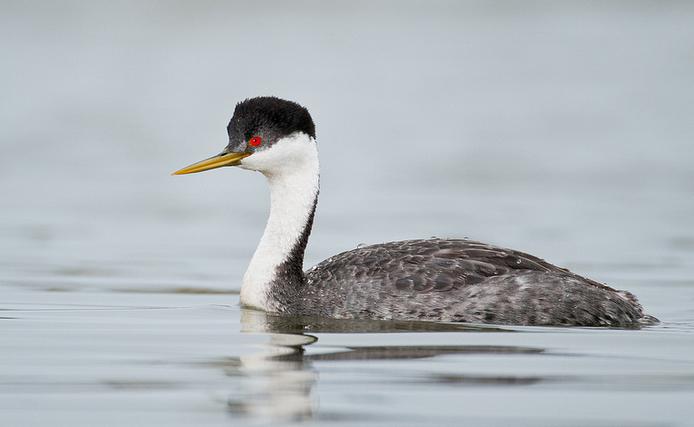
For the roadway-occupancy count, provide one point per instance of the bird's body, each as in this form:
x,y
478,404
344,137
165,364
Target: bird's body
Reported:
x,y
458,280
434,279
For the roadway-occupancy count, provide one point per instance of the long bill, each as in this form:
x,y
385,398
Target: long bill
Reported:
x,y
223,159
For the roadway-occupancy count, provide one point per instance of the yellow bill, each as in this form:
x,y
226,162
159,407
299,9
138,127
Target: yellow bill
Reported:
x,y
224,159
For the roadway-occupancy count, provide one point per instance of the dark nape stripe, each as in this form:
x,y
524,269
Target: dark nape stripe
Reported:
x,y
289,278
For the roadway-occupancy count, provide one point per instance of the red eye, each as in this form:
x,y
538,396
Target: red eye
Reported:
x,y
255,141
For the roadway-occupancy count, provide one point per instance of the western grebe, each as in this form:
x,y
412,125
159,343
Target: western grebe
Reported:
x,y
434,279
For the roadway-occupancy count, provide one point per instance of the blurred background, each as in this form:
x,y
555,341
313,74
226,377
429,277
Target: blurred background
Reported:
x,y
563,129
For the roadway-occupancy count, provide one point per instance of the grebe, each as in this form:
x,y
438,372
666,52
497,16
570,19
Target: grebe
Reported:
x,y
433,279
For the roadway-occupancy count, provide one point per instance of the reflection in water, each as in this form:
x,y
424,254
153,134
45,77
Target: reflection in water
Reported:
x,y
417,352
257,321
279,378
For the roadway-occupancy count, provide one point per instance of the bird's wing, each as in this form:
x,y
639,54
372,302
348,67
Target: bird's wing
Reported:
x,y
425,265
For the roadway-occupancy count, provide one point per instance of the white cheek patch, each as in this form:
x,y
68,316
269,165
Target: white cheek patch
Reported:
x,y
292,169
288,153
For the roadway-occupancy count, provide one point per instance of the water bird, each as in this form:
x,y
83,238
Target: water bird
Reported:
x,y
434,279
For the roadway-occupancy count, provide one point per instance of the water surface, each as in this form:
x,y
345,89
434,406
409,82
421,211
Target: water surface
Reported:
x,y
563,130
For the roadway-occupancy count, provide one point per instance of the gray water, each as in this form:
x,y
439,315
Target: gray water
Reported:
x,y
561,129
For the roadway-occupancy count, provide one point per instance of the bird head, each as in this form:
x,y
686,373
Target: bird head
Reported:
x,y
264,134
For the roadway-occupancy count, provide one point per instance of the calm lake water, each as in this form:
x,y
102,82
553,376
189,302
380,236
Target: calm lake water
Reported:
x,y
563,130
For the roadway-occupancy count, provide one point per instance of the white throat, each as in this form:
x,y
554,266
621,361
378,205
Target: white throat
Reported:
x,y
292,170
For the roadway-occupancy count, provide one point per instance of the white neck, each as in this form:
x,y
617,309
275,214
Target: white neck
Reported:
x,y
292,170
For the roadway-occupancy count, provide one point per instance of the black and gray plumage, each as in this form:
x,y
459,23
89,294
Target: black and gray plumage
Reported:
x,y
434,279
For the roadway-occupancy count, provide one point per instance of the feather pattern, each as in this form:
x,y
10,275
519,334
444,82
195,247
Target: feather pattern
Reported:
x,y
456,280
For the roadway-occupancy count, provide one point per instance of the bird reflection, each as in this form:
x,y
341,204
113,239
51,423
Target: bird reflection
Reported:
x,y
276,382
